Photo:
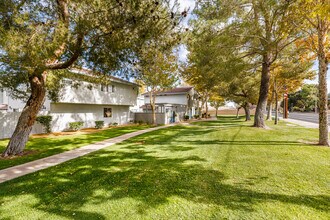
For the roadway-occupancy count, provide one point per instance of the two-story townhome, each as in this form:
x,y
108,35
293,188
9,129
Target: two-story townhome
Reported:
x,y
92,102
84,101
176,102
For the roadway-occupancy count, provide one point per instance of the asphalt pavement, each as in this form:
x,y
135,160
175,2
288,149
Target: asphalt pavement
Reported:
x,y
304,116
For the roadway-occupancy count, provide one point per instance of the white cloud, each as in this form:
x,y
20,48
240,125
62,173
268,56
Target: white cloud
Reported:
x,y
183,52
185,4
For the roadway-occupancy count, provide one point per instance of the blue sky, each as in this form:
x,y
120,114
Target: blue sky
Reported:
x,y
185,4
315,81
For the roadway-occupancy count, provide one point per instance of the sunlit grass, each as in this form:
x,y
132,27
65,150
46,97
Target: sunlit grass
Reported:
x,y
47,146
221,169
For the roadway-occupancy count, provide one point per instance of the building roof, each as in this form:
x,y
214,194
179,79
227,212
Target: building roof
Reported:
x,y
177,90
112,78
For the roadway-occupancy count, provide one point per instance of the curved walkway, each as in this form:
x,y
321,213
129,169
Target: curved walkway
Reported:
x,y
33,166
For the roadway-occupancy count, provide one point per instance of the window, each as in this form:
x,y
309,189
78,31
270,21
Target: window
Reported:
x,y
107,112
67,81
107,88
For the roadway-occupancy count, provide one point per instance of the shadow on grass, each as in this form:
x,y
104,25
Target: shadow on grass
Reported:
x,y
150,180
224,121
45,147
138,173
248,143
166,136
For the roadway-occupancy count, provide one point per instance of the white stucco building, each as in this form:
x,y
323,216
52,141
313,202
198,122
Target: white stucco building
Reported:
x,y
83,101
176,102
139,104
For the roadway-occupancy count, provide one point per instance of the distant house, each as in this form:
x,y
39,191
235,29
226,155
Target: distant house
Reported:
x,y
84,101
176,102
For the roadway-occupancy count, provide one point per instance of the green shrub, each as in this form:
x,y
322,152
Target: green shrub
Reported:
x,y
308,109
45,120
99,124
76,125
113,124
196,116
186,117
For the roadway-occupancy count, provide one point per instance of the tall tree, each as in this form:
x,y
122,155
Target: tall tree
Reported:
x,y
216,101
158,71
207,64
306,98
38,39
316,27
288,74
260,29
243,90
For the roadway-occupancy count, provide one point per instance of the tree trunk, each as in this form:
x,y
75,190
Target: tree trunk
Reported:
x,y
264,87
206,109
247,111
28,116
153,106
238,108
201,109
323,93
276,107
216,111
270,106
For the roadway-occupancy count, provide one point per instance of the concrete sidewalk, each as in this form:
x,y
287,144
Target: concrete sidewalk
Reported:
x,y
33,166
302,123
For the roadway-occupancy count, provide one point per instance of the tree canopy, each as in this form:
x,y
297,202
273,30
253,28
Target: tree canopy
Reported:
x,y
38,39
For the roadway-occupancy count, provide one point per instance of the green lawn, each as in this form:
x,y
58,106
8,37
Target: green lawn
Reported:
x,y
221,169
44,147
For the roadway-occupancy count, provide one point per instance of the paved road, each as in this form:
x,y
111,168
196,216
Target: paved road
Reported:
x,y
309,117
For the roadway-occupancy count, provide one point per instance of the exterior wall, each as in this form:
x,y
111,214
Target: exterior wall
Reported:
x,y
124,94
63,114
161,118
17,105
87,93
139,104
13,104
61,118
179,99
8,121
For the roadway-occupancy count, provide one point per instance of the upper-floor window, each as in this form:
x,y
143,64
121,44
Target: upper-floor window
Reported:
x,y
67,81
107,88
